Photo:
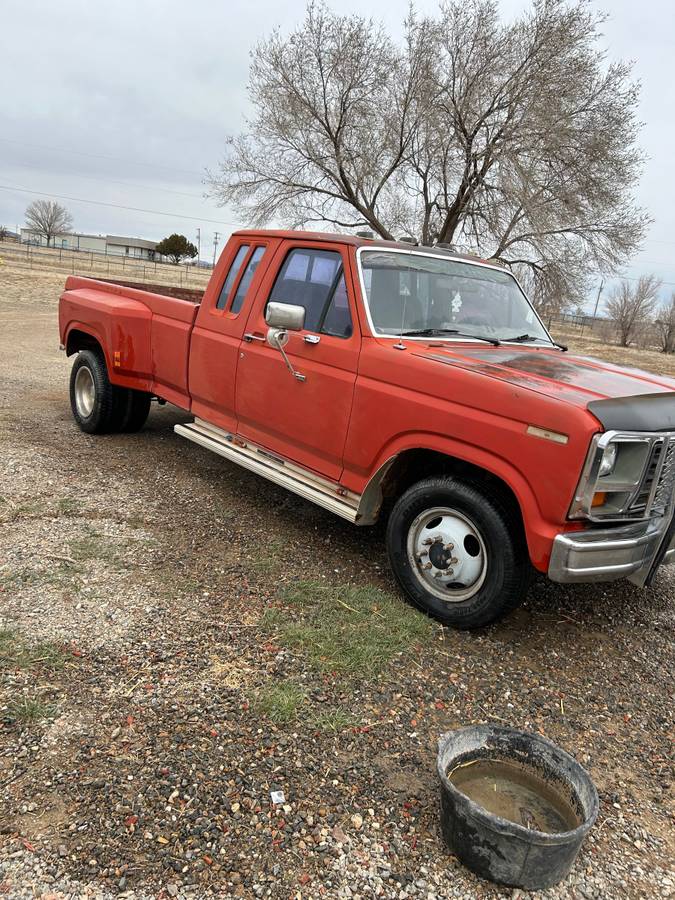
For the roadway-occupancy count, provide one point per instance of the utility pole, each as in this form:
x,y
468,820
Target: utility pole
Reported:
x,y
199,244
597,299
215,246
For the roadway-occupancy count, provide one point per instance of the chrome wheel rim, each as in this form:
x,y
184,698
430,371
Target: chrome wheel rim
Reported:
x,y
447,553
85,392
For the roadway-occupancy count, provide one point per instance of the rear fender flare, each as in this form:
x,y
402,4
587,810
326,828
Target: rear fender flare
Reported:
x,y
69,338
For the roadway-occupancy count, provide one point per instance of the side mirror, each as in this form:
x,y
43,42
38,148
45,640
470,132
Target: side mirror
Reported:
x,y
282,317
287,316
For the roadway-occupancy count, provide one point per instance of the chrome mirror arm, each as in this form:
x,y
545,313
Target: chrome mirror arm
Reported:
x,y
277,337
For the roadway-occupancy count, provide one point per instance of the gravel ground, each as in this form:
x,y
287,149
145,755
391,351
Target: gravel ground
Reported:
x,y
139,580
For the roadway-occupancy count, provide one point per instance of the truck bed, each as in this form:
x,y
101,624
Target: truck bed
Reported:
x,y
144,334
192,295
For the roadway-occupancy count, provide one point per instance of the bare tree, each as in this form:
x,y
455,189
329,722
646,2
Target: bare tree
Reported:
x,y
631,306
48,218
516,140
665,325
4,232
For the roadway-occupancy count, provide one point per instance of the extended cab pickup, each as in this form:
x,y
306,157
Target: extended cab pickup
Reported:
x,y
377,378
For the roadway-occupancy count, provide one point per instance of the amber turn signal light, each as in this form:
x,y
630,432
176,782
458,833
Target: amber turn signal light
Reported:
x,y
599,498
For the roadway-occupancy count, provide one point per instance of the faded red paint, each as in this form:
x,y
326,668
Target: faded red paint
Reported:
x,y
363,401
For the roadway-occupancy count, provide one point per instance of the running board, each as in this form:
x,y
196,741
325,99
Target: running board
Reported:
x,y
294,478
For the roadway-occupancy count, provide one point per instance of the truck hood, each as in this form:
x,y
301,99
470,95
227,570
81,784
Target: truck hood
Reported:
x,y
619,397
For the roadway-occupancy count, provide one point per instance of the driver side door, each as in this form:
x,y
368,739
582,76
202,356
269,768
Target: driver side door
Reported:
x,y
306,420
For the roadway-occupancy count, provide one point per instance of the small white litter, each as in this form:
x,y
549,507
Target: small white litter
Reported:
x,y
278,797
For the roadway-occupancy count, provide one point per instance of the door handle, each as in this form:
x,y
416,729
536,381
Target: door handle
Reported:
x,y
249,336
312,338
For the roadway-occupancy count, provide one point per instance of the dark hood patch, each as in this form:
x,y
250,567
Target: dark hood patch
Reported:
x,y
551,372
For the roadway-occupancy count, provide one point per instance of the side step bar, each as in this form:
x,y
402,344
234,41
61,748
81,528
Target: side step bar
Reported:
x,y
294,478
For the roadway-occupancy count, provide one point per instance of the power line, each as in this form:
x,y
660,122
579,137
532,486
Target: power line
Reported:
x,y
99,156
147,187
634,278
155,212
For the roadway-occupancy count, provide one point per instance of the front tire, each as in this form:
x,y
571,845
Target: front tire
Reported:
x,y
97,404
458,554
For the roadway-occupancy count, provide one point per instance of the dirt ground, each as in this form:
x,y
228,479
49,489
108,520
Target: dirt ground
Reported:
x,y
161,674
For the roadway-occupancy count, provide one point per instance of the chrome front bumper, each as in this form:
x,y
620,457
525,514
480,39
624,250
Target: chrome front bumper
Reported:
x,y
607,554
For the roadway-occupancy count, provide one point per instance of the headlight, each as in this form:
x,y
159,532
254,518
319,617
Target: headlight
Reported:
x,y
608,461
617,479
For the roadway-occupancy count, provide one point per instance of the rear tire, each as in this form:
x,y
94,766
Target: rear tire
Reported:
x,y
458,554
97,404
137,407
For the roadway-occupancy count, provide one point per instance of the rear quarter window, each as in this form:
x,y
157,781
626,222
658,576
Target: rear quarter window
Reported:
x,y
246,279
232,274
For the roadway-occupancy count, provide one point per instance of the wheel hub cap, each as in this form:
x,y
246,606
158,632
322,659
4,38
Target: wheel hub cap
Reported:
x,y
85,392
447,553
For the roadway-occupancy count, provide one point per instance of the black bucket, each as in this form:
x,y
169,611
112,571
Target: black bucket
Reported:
x,y
496,848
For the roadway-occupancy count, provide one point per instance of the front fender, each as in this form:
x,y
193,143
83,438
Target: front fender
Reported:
x,y
538,530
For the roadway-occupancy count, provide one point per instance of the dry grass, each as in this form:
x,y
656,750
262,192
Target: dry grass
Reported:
x,y
39,261
586,343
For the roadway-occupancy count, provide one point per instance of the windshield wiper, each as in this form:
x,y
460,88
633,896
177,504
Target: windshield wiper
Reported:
x,y
522,338
438,332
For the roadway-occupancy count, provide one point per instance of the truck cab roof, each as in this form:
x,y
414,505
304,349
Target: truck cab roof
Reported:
x,y
356,240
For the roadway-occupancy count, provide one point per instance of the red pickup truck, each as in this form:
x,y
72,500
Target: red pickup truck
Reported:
x,y
380,378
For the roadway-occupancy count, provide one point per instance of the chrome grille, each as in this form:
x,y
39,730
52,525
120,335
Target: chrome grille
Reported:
x,y
639,504
664,489
655,493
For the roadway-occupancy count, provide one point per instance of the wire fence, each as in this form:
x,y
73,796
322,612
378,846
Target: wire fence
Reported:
x,y
97,263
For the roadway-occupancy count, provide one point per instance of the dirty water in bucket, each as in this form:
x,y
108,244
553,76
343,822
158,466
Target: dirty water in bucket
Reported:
x,y
516,793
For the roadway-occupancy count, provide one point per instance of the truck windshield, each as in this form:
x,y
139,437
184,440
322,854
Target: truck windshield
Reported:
x,y
410,292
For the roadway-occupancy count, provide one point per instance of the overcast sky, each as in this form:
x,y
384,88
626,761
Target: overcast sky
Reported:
x,y
127,103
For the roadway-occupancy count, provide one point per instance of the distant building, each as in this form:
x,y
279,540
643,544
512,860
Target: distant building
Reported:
x,y
127,246
135,248
70,241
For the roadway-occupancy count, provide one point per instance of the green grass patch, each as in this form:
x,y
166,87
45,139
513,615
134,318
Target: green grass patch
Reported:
x,y
30,509
66,506
19,579
333,720
280,702
29,710
346,629
17,653
92,546
268,557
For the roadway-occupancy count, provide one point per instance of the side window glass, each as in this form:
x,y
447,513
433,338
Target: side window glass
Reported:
x,y
237,263
310,278
338,320
246,279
